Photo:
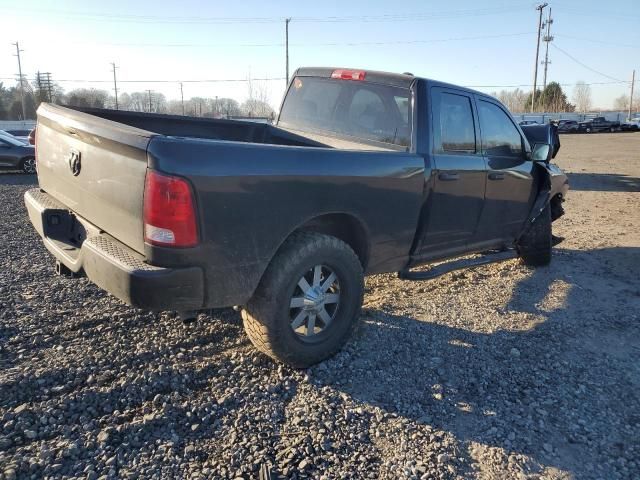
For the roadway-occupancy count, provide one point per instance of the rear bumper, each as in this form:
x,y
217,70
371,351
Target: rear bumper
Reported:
x,y
108,263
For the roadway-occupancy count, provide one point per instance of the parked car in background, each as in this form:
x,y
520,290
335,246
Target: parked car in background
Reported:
x,y
16,154
631,125
598,124
528,122
21,134
567,126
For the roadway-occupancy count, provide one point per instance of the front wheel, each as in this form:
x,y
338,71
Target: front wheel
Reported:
x,y
308,301
28,165
535,245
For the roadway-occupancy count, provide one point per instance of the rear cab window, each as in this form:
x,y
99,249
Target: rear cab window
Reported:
x,y
454,125
356,110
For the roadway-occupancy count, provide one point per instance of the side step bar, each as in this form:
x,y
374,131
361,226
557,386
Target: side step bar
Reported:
x,y
435,272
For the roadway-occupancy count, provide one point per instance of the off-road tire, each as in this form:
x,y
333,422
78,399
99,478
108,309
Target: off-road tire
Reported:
x,y
266,317
535,245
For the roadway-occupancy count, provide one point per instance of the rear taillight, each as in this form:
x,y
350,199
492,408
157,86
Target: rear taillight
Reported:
x,y
32,141
169,211
348,74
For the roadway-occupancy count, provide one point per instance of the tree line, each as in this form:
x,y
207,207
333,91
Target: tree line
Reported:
x,y
255,105
550,99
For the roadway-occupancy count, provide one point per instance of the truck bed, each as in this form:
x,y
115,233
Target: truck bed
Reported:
x,y
251,192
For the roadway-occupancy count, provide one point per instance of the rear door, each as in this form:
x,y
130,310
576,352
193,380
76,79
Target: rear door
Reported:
x,y
509,173
455,205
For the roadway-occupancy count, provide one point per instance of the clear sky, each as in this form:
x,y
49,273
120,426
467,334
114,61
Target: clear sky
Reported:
x,y
486,44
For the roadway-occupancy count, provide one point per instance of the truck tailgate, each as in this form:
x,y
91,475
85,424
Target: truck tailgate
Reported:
x,y
96,168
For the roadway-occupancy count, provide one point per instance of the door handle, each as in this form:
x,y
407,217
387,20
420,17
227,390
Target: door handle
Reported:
x,y
449,177
496,176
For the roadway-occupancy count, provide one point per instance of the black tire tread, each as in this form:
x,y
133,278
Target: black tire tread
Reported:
x,y
536,244
259,314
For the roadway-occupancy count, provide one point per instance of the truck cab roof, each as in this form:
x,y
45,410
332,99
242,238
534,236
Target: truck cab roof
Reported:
x,y
405,80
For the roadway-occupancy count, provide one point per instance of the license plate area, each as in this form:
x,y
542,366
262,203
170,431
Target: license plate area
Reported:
x,y
63,226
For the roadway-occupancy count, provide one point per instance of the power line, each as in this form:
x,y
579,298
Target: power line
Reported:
x,y
217,80
398,17
616,82
602,42
584,65
280,45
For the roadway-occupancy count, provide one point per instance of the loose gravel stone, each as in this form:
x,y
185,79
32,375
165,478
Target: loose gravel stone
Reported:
x,y
498,372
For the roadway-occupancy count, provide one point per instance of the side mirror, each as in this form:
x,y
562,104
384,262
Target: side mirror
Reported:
x,y
544,141
541,152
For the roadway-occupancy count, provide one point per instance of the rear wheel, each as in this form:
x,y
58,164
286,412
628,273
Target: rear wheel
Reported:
x,y
535,245
612,129
28,165
308,301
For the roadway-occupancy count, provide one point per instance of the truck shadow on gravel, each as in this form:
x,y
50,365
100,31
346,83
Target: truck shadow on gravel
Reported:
x,y
604,182
17,178
563,391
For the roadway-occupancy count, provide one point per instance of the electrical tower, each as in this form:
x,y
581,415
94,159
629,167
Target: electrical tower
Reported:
x,y
547,38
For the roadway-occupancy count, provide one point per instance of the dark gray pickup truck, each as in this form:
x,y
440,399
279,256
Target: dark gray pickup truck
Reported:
x,y
364,172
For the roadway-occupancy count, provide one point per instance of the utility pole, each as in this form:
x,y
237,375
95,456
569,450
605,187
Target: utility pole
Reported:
x,y
535,70
115,83
24,114
286,43
182,98
633,81
547,38
149,100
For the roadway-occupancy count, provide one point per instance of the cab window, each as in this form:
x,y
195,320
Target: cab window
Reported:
x,y
454,125
500,137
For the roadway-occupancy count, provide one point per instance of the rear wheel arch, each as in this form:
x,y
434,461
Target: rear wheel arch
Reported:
x,y
342,226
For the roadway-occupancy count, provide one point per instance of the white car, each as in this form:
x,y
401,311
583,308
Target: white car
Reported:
x,y
633,124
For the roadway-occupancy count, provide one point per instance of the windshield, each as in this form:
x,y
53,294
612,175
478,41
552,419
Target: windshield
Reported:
x,y
7,138
353,109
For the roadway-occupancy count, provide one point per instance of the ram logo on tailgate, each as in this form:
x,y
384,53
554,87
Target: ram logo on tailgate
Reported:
x,y
74,162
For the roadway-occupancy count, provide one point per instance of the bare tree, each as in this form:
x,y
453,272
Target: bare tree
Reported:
x,y
514,100
582,97
87,97
622,103
257,102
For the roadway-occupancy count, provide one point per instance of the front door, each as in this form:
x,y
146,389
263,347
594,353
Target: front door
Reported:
x,y
509,195
451,214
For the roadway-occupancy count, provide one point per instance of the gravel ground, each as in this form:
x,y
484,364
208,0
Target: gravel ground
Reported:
x,y
500,372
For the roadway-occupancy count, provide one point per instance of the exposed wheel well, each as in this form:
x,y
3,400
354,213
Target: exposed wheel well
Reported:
x,y
556,207
344,227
